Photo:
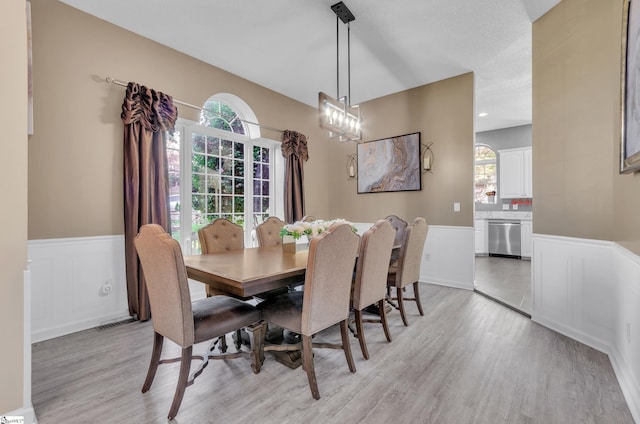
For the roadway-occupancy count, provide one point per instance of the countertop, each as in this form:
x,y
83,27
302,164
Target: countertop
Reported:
x,y
523,216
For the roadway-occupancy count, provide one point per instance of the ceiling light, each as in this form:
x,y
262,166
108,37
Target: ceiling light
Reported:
x,y
338,116
483,114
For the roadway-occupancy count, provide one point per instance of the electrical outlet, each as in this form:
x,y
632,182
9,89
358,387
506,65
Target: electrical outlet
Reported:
x,y
106,287
456,207
505,206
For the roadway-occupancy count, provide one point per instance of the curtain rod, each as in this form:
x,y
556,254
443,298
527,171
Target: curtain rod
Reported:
x,y
124,84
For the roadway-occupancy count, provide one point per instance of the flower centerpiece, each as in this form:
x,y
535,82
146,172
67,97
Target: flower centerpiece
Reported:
x,y
290,233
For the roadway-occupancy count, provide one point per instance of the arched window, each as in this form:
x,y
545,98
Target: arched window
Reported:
x,y
221,168
485,176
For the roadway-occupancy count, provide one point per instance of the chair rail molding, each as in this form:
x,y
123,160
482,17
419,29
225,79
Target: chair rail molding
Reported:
x,y
589,291
76,284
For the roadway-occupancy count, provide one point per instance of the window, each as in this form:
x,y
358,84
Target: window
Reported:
x,y
485,174
217,171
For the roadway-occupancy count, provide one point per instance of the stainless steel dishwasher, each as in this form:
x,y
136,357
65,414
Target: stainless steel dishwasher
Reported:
x,y
504,237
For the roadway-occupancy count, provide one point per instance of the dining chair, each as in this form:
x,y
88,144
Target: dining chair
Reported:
x,y
175,317
268,231
407,270
324,301
399,225
309,218
370,283
220,236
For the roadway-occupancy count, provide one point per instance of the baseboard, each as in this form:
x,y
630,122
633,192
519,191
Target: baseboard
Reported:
x,y
630,387
447,283
73,327
27,413
572,333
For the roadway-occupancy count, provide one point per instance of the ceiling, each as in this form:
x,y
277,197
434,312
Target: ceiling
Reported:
x,y
289,46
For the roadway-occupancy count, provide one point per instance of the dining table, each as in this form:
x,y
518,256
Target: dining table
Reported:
x,y
250,271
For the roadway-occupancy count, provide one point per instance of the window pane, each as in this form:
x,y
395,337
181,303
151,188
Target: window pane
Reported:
x,y
197,183
226,185
199,143
265,204
213,145
239,187
265,188
226,148
198,163
257,171
213,184
227,204
239,204
238,168
265,171
257,188
227,166
238,150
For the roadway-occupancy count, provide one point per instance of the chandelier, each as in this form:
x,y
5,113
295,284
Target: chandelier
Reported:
x,y
338,115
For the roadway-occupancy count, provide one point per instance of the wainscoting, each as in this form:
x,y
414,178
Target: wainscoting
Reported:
x,y
76,284
448,257
589,290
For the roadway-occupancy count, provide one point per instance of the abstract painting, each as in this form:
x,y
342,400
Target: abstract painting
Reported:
x,y
390,164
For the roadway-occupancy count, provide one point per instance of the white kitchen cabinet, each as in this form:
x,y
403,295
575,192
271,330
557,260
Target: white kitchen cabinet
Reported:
x,y
515,173
480,236
526,231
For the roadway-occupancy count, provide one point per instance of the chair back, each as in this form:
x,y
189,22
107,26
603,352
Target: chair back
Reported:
x,y
269,232
330,264
309,218
376,245
410,256
399,225
221,235
166,279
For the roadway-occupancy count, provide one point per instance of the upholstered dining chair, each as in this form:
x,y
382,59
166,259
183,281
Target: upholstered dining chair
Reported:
x,y
220,236
399,225
407,271
370,284
309,218
175,317
268,232
325,300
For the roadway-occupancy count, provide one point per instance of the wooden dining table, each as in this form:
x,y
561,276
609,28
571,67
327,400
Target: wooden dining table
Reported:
x,y
250,271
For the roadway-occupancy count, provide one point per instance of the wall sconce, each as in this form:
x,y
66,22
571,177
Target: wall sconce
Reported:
x,y
352,166
427,157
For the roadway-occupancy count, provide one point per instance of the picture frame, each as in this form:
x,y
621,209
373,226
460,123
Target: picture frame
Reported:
x,y
390,164
630,83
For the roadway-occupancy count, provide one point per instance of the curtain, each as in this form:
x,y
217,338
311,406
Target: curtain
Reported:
x,y
146,115
294,149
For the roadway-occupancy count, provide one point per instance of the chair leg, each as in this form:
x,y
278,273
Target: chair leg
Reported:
x,y
256,334
155,361
401,306
360,333
183,378
238,341
346,346
307,358
383,319
416,295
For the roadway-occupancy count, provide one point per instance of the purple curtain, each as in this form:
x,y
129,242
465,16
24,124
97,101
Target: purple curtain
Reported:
x,y
294,149
146,115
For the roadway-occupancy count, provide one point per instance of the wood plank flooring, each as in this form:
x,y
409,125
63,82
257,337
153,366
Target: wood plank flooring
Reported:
x,y
468,360
507,280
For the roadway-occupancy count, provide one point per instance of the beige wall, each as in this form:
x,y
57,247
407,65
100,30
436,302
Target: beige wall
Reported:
x,y
75,155
443,113
13,186
576,126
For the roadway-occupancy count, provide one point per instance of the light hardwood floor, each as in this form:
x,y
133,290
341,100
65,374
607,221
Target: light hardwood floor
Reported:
x,y
468,360
507,280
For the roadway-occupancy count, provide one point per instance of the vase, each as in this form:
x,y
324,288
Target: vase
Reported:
x,y
291,245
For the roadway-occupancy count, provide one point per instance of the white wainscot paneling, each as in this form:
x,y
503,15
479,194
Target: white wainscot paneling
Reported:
x,y
625,350
68,276
448,257
589,290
